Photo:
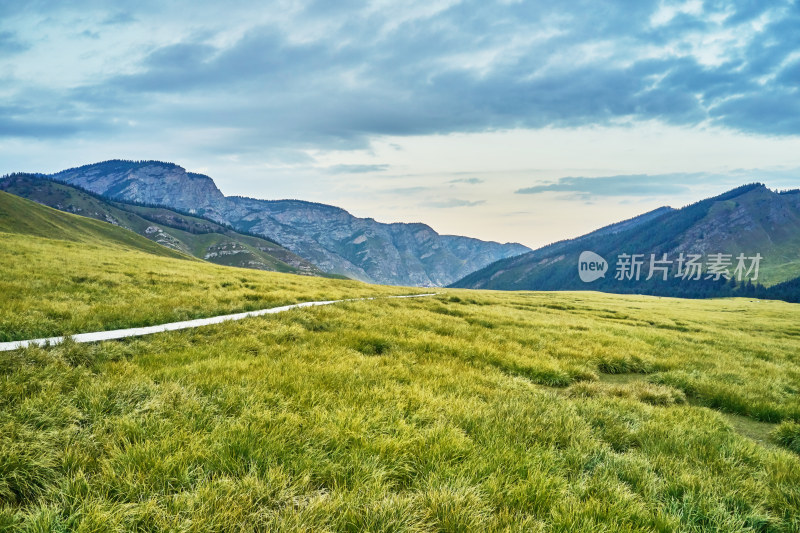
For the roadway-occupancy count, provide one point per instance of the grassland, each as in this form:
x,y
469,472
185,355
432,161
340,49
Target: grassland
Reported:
x,y
65,274
468,411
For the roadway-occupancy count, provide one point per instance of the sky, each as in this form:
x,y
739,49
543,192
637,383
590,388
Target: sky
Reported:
x,y
503,120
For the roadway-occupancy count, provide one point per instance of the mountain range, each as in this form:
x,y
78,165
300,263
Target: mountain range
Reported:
x,y
182,232
750,220
330,238
186,212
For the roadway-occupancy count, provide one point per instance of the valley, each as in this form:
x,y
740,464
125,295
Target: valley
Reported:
x,y
332,239
469,410
400,267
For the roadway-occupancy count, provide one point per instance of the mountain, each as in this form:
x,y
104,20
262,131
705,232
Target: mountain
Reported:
x,y
191,235
332,238
748,220
147,182
327,236
24,217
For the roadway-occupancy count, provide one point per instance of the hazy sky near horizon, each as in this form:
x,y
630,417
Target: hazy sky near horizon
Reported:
x,y
504,120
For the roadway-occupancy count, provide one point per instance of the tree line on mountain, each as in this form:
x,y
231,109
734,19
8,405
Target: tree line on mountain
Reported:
x,y
788,291
120,165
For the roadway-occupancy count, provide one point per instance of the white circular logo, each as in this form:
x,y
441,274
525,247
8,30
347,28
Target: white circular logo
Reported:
x,y
591,266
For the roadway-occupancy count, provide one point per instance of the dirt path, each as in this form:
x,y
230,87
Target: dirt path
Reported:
x,y
187,324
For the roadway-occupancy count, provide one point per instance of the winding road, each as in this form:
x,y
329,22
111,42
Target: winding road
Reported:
x,y
186,324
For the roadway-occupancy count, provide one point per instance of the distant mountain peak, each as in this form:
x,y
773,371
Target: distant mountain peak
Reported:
x,y
123,164
148,182
188,234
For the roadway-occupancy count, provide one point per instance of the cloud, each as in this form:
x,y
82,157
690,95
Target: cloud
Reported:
x,y
780,109
623,185
468,181
119,18
333,77
452,202
11,44
407,190
634,188
16,128
356,169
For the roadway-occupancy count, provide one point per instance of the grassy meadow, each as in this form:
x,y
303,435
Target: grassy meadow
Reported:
x,y
65,274
467,411
462,412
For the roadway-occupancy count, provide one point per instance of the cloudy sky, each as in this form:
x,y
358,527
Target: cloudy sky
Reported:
x,y
505,120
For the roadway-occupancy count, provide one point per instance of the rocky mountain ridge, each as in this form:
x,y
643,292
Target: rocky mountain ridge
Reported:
x,y
329,237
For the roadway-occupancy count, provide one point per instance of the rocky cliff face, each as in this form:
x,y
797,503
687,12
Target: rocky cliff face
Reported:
x,y
148,182
330,237
408,254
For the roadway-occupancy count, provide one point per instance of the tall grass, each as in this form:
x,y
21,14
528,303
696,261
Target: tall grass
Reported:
x,y
470,411
53,287
409,415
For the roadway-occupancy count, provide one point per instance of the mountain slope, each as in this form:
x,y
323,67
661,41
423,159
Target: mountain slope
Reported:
x,y
64,274
384,253
749,220
331,238
23,217
149,182
191,235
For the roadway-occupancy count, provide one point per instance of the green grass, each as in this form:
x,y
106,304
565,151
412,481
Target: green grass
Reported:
x,y
25,218
184,233
788,435
65,274
409,415
468,411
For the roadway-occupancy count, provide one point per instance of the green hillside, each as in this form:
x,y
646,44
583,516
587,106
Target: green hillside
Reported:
x,y
63,273
749,220
22,217
199,237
